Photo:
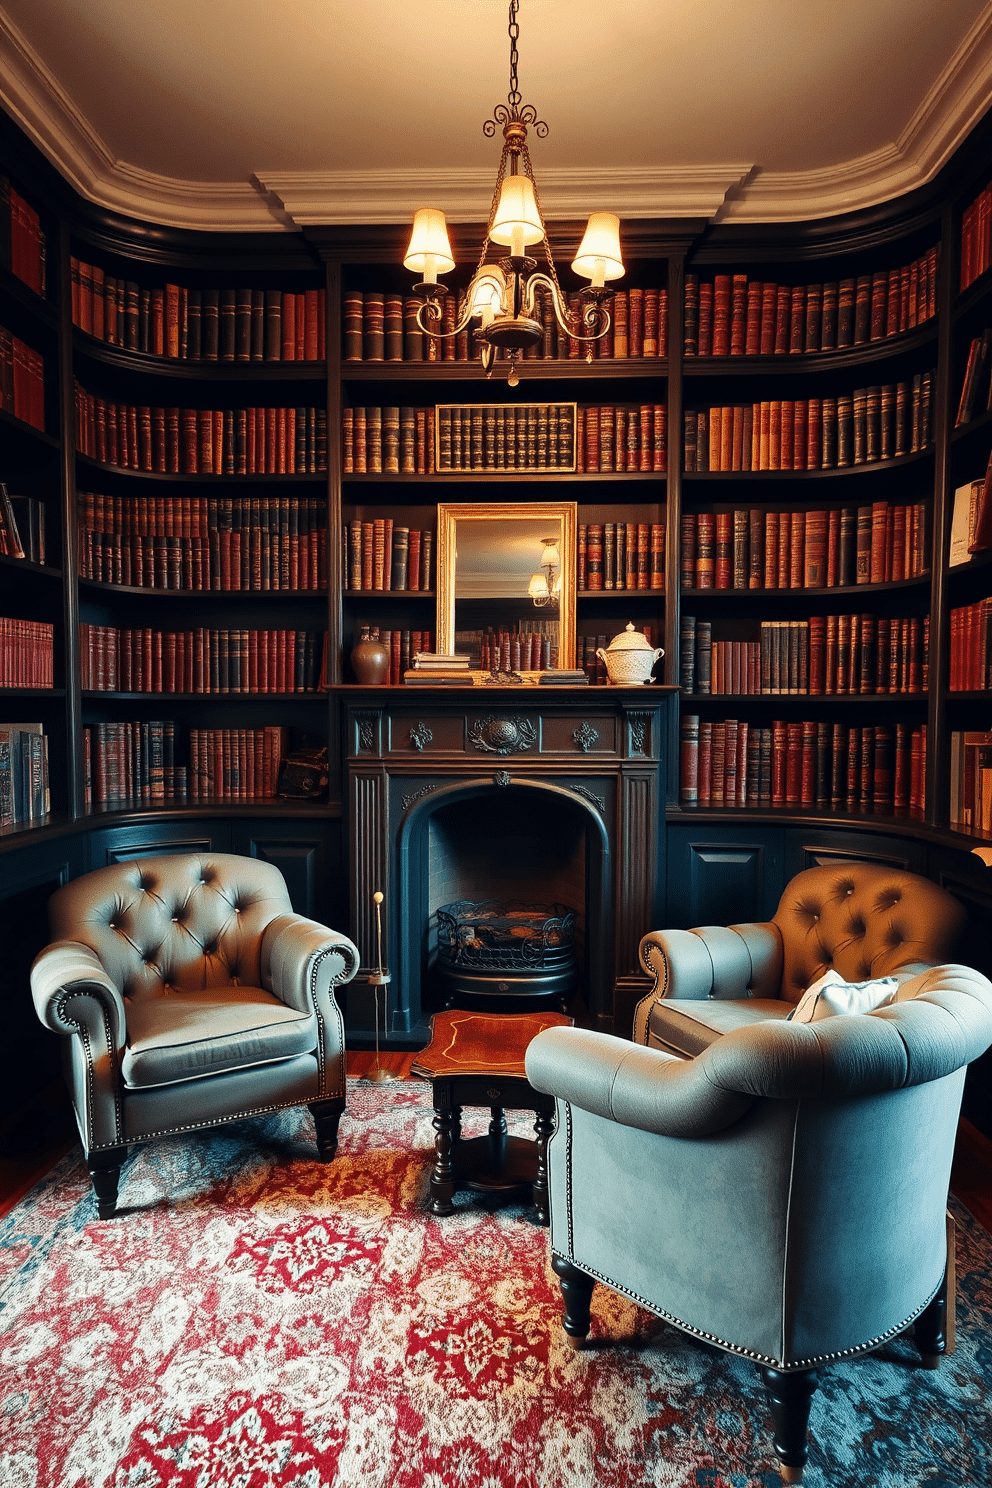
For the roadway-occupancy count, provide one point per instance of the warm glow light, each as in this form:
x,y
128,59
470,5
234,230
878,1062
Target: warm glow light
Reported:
x,y
429,252
517,215
598,257
550,557
488,293
538,587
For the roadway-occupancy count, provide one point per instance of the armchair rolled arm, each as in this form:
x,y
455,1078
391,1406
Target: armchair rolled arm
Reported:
x,y
74,993
302,962
644,1088
724,961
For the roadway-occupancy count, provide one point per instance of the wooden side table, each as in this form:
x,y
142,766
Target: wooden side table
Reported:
x,y
477,1059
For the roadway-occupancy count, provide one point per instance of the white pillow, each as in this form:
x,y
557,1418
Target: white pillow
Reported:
x,y
830,995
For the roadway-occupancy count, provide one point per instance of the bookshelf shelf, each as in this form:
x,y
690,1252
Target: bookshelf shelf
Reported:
x,y
787,477
160,698
184,479
27,432
603,369
870,353
24,569
216,372
16,290
40,693
286,596
509,477
836,591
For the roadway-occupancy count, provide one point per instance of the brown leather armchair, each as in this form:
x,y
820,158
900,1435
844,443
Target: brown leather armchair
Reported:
x,y
189,995
860,919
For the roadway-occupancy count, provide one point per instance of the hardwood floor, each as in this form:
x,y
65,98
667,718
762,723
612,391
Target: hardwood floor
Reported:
x,y
33,1140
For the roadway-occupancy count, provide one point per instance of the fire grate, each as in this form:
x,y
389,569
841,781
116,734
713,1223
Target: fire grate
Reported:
x,y
507,935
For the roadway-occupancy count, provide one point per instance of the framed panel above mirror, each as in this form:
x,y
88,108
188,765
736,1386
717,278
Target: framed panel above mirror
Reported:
x,y
508,566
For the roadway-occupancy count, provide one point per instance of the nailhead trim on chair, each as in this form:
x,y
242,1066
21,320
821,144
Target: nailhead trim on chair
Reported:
x,y
66,997
342,1086
733,1348
172,1131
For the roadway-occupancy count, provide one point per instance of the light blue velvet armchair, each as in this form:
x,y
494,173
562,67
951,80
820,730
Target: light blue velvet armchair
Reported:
x,y
781,1194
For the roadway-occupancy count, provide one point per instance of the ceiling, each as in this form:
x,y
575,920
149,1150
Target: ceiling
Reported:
x,y
242,114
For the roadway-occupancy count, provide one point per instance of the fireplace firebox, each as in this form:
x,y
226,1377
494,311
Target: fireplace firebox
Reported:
x,y
499,950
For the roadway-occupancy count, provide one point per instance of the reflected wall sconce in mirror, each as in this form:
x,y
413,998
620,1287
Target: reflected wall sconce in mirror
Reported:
x,y
545,586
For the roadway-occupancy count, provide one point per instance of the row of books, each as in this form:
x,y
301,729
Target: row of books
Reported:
x,y
877,769
134,763
523,436
22,241
201,660
200,542
620,555
621,439
872,423
201,441
382,554
826,655
22,526
22,380
530,647
403,646
971,781
976,385
25,653
24,793
199,325
971,647
749,548
976,240
381,327
387,441
732,315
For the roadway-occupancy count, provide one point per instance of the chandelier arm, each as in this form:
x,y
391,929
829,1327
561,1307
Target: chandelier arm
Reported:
x,y
589,316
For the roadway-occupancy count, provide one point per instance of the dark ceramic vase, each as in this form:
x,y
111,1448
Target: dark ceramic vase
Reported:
x,y
370,663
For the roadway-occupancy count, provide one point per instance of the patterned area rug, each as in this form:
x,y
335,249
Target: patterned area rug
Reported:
x,y
255,1318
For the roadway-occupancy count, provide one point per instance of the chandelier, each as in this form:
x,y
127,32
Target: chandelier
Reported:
x,y
503,295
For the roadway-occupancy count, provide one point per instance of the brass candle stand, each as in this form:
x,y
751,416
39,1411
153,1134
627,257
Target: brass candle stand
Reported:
x,y
378,979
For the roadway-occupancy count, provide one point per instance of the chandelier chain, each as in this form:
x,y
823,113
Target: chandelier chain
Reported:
x,y
513,97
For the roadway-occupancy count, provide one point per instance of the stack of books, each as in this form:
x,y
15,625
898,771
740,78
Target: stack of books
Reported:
x,y
434,669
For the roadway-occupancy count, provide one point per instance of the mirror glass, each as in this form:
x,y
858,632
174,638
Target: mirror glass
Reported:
x,y
506,578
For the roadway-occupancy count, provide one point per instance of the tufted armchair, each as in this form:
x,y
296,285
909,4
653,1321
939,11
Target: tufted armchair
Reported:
x,y
779,1195
863,920
190,994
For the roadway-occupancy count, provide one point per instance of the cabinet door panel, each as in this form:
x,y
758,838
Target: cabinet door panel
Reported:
x,y
814,849
158,839
302,864
718,876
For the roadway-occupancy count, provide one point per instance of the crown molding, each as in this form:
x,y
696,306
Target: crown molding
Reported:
x,y
959,96
281,201
312,199
35,99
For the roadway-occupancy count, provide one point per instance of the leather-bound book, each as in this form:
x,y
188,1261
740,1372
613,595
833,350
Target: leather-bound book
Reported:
x,y
620,310
783,319
609,555
352,320
659,455
779,750
391,440
914,294
705,550
227,328
374,327
887,421
594,555
413,336
873,423
635,337
689,759
879,305
738,314
862,309
905,276
828,317
289,307
797,319
722,310
862,567
723,568
814,316
132,302
877,551
426,568
650,323
846,291
690,313
828,434
752,322
860,424
705,319
373,438
892,298
592,442
767,321
657,556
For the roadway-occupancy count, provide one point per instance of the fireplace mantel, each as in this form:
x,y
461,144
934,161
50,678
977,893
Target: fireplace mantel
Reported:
x,y
600,755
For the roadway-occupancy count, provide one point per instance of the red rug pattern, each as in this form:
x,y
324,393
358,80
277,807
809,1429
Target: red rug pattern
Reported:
x,y
256,1319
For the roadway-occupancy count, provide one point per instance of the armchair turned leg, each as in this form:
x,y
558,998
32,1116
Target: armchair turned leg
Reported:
x,y
105,1172
930,1329
576,1290
326,1116
790,1397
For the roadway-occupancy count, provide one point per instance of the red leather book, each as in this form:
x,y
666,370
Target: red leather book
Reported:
x,y
783,319
797,319
724,555
689,760
814,313
705,550
768,320
705,319
779,761
636,325
738,315
722,309
650,323
814,433
807,785
753,318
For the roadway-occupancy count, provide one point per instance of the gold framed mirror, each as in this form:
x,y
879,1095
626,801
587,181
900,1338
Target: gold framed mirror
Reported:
x,y
508,566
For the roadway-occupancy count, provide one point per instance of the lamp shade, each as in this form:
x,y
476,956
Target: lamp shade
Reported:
x,y
539,588
429,247
600,248
517,208
550,558
488,289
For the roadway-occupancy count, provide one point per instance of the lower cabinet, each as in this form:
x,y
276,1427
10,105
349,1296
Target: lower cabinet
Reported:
x,y
722,875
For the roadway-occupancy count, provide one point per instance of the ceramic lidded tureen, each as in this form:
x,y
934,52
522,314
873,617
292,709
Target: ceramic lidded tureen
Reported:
x,y
630,657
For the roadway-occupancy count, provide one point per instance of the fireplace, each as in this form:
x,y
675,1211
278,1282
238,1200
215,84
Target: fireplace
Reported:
x,y
505,795
513,955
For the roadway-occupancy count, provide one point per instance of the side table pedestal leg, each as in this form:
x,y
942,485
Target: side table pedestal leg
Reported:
x,y
446,1123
